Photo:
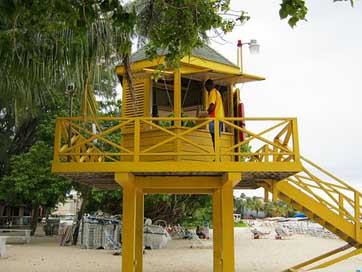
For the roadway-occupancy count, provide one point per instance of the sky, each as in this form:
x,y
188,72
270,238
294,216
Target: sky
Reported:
x,y
313,72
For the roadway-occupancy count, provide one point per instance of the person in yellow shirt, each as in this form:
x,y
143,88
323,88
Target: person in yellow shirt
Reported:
x,y
216,108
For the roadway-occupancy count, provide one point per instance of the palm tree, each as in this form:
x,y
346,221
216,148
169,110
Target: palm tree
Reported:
x,y
67,42
278,208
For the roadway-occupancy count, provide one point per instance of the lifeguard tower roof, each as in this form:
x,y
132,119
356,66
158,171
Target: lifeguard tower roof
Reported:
x,y
203,63
205,52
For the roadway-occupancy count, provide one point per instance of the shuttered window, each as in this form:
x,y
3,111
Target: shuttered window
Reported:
x,y
134,107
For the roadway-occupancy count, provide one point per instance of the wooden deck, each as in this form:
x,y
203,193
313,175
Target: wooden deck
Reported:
x,y
106,181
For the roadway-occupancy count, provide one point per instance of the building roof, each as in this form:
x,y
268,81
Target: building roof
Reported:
x,y
204,52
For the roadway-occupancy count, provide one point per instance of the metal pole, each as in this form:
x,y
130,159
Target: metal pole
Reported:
x,y
240,55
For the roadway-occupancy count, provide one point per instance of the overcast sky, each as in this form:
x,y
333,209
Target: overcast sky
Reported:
x,y
313,72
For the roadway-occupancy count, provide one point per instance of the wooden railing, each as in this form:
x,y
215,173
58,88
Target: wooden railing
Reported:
x,y
330,191
104,139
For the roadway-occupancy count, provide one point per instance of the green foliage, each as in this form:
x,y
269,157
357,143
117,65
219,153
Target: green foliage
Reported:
x,y
271,209
184,209
245,148
279,208
27,177
178,26
46,44
296,10
30,180
108,201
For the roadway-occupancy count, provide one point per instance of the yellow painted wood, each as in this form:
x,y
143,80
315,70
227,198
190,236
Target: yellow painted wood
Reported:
x,y
340,203
357,217
199,64
57,139
183,166
321,257
321,210
140,65
207,64
139,229
233,178
200,138
266,196
137,134
128,221
338,259
205,98
227,219
216,219
190,69
295,140
177,96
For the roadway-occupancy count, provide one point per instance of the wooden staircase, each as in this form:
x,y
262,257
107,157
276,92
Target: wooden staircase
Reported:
x,y
326,200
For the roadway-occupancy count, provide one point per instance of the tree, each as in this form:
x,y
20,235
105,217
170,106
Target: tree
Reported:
x,y
45,44
27,177
108,201
178,208
278,208
30,181
254,204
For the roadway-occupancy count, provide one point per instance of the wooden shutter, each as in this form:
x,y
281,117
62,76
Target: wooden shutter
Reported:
x,y
134,108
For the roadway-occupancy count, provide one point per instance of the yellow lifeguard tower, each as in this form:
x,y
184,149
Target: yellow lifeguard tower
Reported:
x,y
160,146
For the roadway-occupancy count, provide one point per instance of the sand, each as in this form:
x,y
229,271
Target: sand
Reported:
x,y
44,254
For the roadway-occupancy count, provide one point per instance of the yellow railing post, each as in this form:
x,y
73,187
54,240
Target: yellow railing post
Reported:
x,y
266,195
295,140
217,140
137,135
357,215
340,204
57,139
177,96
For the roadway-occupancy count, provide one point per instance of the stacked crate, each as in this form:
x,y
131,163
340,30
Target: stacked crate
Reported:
x,y
92,233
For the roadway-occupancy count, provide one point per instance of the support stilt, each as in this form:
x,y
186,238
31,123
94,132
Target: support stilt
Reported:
x,y
216,218
139,230
227,221
129,221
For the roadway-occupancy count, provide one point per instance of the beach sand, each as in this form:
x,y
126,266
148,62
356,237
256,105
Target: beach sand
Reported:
x,y
44,254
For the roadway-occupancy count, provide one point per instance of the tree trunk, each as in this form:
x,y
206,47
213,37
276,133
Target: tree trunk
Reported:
x,y
35,218
85,197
